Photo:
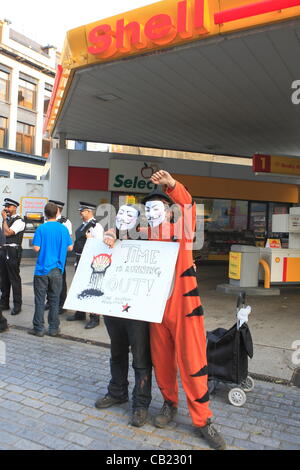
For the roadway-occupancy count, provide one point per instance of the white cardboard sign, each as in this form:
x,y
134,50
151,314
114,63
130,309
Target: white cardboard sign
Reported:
x,y
133,280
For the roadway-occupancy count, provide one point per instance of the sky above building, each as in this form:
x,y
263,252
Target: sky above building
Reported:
x,y
48,22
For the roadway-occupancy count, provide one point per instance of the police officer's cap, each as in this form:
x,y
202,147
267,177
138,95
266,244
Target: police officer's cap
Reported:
x,y
10,202
86,205
58,203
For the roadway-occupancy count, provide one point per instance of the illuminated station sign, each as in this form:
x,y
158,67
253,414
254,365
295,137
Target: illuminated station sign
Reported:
x,y
154,27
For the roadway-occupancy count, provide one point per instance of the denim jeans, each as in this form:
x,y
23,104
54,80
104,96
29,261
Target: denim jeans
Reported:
x,y
50,285
125,333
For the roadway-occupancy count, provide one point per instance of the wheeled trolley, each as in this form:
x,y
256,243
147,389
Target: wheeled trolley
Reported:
x,y
227,357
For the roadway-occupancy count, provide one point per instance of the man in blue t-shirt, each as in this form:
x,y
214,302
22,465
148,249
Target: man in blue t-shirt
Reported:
x,y
51,241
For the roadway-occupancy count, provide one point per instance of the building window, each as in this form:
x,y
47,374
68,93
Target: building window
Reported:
x,y
4,85
46,148
47,97
25,138
24,176
4,174
3,132
27,94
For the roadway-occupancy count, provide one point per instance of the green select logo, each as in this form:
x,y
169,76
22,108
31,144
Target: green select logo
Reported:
x,y
143,182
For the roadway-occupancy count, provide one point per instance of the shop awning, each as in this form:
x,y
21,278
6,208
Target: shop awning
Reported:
x,y
225,93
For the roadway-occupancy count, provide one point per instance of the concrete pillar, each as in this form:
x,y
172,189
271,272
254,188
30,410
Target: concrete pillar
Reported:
x,y
58,181
62,141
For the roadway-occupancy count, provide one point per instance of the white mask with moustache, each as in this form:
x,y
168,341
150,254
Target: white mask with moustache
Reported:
x,y
126,217
155,212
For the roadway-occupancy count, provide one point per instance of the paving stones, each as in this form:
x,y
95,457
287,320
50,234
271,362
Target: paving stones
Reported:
x,y
48,388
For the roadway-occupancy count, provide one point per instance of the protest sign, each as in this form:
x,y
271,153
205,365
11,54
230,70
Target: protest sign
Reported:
x,y
132,280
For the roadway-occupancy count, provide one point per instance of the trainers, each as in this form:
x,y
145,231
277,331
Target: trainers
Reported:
x,y
165,415
212,436
36,333
108,400
139,417
53,333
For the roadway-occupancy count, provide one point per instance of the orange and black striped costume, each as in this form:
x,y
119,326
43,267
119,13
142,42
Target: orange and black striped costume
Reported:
x,y
180,340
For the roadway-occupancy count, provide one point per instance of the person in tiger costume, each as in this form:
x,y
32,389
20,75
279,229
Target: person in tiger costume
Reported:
x,y
180,340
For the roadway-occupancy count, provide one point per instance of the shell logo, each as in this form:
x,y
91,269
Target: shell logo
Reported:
x,y
277,260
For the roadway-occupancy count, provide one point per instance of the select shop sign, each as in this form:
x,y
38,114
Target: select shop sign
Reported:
x,y
132,176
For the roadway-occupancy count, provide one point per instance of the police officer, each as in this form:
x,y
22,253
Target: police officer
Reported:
x,y
2,242
68,224
89,228
3,321
13,227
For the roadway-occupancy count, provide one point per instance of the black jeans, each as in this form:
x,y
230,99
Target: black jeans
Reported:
x,y
50,285
10,259
124,333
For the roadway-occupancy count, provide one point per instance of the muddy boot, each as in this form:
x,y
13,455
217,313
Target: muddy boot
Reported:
x,y
166,414
211,435
108,400
139,417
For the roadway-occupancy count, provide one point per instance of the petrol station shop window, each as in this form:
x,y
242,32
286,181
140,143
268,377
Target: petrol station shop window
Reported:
x,y
25,138
224,214
27,94
4,85
3,132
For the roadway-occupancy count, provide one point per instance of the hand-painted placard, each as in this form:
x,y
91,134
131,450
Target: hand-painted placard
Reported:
x,y
133,280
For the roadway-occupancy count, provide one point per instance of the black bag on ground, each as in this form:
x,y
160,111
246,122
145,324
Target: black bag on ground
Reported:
x,y
227,353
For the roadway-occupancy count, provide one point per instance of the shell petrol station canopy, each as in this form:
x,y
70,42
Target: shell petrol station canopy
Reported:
x,y
211,76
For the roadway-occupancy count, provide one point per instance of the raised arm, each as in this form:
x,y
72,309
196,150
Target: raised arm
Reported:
x,y
183,199
174,188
